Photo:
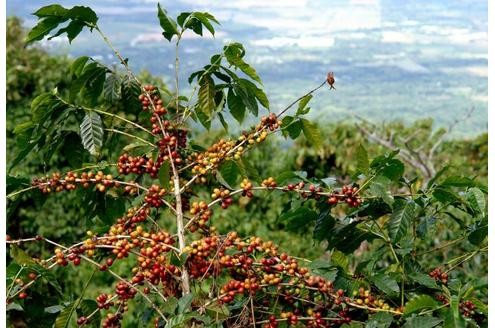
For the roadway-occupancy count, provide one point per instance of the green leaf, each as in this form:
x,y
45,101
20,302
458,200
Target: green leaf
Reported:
x,y
234,53
301,107
51,10
393,169
73,29
170,305
217,311
83,14
422,322
77,66
204,119
324,269
298,218
362,159
459,181
423,279
385,283
14,306
86,307
476,200
479,232
291,126
480,306
65,318
112,88
168,25
248,170
236,106
420,302
207,96
324,224
223,122
91,131
379,188
452,317
92,79
312,133
248,98
20,257
379,320
164,175
445,195
401,219
205,19
43,28
229,172
339,259
54,309
254,91
347,237
184,303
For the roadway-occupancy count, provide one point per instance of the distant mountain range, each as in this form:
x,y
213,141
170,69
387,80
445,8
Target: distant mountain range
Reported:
x,y
392,59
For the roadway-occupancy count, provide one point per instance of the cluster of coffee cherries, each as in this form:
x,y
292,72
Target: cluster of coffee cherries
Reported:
x,y
270,122
365,297
234,287
71,180
439,275
467,308
136,215
103,302
247,187
269,182
213,156
154,196
152,263
137,165
22,294
313,191
348,194
224,195
229,149
202,211
150,99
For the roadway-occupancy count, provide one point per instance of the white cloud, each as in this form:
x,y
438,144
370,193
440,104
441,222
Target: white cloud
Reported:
x,y
302,42
397,37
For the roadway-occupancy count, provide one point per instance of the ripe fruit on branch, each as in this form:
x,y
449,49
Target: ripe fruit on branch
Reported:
x,y
348,194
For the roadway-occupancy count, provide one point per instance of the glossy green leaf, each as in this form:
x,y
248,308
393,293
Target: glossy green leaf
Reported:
x,y
418,303
229,172
476,200
206,95
379,320
185,302
51,10
43,28
423,279
362,159
401,220
164,174
91,131
234,54
112,88
236,106
339,259
168,25
385,283
312,133
301,106
422,322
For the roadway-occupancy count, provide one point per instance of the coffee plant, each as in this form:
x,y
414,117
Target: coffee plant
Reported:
x,y
156,196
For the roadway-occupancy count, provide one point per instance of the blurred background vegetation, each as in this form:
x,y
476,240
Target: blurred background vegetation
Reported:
x,y
64,217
